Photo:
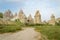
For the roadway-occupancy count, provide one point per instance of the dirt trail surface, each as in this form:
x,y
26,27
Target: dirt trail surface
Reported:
x,y
26,34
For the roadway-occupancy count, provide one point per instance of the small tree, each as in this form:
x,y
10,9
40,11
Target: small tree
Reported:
x,y
1,15
58,23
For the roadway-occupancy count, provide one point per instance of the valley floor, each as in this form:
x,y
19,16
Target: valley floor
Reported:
x,y
26,34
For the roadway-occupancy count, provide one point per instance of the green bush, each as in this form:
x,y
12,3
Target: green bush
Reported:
x,y
1,15
58,23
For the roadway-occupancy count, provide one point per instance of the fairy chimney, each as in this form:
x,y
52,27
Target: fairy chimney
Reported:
x,y
22,17
37,17
7,15
30,19
52,21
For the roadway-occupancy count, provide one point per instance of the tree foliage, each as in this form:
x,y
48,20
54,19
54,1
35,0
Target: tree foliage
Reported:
x,y
1,15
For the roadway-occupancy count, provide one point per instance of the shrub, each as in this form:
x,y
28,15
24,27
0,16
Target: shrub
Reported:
x,y
1,15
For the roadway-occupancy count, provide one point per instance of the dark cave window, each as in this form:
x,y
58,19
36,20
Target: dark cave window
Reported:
x,y
28,20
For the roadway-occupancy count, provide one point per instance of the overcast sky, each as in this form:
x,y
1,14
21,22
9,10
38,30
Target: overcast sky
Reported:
x,y
46,7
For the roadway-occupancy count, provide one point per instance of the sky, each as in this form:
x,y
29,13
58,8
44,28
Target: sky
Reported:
x,y
46,7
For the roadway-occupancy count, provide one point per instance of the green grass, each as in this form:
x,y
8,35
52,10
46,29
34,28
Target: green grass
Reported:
x,y
10,28
5,28
51,32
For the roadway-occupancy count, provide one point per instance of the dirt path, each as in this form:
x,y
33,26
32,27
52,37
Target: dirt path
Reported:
x,y
26,34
